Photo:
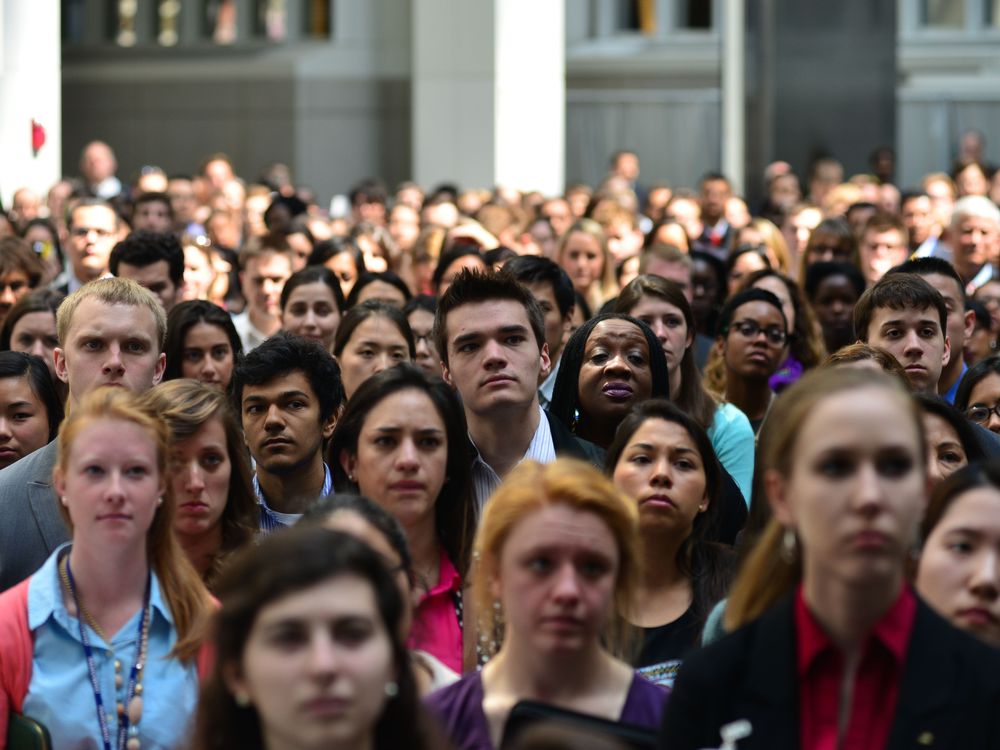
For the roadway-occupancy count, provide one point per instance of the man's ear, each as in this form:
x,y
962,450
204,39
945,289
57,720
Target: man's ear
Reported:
x,y
446,373
59,355
161,367
546,360
970,323
946,356
331,422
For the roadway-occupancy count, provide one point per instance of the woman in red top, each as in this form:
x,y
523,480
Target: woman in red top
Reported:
x,y
844,655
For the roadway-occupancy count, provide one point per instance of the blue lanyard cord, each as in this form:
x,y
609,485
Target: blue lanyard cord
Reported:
x,y
137,666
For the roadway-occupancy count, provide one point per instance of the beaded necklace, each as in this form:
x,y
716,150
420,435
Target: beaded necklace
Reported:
x,y
130,710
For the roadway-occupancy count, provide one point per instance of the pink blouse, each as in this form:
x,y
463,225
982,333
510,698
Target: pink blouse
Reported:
x,y
436,625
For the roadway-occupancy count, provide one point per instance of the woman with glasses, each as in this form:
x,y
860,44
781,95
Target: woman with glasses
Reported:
x,y
752,342
978,395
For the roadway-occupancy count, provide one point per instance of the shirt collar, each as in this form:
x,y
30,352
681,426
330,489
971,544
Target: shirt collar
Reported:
x,y
892,630
259,493
448,577
45,599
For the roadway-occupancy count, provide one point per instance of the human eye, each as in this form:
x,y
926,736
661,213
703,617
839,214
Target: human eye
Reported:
x,y
25,341
515,338
136,347
384,441
193,355
593,567
92,345
540,564
430,442
960,546
51,342
398,355
636,357
892,333
674,322
366,352
137,471
296,404
93,470
253,409
598,356
212,460
835,466
353,632
685,464
298,310
288,637
23,416
640,459
952,457
323,310
895,466
220,352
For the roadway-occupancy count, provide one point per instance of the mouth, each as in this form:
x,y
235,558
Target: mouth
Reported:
x,y
498,380
274,443
8,452
658,501
617,391
978,617
759,357
407,486
194,507
562,623
115,517
870,541
326,707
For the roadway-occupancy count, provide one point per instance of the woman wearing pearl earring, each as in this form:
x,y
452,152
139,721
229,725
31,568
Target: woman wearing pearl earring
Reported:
x,y
101,645
309,651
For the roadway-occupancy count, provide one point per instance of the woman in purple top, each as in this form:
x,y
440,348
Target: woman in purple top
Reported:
x,y
557,567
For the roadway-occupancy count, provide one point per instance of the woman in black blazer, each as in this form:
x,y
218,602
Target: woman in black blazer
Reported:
x,y
835,650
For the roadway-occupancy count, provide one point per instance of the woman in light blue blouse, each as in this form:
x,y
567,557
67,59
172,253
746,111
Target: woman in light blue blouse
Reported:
x,y
662,306
100,645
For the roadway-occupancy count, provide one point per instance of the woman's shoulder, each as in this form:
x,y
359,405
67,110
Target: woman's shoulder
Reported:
x,y
644,703
730,419
459,697
459,710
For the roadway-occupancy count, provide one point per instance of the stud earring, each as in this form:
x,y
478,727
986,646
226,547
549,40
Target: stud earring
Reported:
x,y
391,689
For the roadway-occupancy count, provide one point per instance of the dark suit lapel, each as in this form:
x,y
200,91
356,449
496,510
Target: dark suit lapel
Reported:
x,y
770,683
923,716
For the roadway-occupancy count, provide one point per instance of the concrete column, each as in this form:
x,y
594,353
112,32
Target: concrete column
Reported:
x,y
489,93
29,90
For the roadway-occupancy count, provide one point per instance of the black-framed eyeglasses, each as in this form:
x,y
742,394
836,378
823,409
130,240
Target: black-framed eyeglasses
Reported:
x,y
750,329
981,414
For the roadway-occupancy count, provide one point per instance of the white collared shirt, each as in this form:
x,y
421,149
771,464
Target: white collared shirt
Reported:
x,y
485,480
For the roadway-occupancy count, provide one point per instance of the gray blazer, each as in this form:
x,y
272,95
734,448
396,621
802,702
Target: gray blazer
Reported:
x,y
30,524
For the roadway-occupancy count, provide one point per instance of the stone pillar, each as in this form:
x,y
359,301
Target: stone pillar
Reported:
x,y
821,81
489,93
30,70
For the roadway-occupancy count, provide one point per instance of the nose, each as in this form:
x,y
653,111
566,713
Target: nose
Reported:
x,y
933,467
114,490
406,456
194,479
208,368
985,580
7,296
869,493
494,354
38,349
381,362
324,659
993,425
5,429
912,343
273,421
660,330
567,584
114,363
662,475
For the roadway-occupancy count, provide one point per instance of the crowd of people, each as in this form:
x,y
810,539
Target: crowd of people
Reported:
x,y
634,466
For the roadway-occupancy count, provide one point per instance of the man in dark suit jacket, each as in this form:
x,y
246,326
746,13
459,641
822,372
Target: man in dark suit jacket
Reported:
x,y
490,334
948,698
111,332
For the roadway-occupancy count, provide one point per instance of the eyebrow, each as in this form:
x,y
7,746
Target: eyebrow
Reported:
x,y
391,428
280,396
473,335
19,404
674,448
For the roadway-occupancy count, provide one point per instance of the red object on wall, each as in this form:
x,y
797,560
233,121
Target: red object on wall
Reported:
x,y
37,136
